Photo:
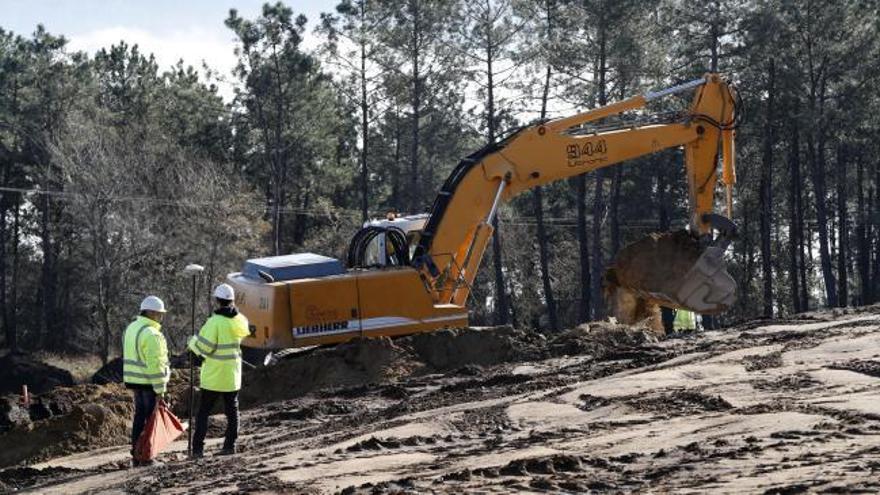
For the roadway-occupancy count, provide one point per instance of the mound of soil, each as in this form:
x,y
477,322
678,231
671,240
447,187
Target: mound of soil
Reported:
x,y
453,349
757,362
679,402
68,420
109,373
21,369
366,361
357,362
867,367
604,341
372,361
12,413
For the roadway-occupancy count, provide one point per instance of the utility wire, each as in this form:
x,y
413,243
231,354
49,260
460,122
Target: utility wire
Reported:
x,y
516,220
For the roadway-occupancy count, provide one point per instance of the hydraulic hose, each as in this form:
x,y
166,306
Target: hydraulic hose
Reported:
x,y
360,244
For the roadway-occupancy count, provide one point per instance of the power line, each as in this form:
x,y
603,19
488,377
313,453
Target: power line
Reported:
x,y
70,196
515,220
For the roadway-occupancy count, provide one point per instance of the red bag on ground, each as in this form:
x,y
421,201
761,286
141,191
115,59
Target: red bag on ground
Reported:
x,y
161,429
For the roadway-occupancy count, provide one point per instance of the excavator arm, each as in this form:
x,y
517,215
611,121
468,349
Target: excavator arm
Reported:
x,y
455,237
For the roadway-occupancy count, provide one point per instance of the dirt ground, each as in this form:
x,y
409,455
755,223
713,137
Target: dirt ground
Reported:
x,y
786,406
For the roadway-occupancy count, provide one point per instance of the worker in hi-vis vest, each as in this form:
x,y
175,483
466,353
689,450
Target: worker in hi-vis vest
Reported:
x,y
684,320
218,344
145,366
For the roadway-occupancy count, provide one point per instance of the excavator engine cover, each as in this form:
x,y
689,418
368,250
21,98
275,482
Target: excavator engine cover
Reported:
x,y
672,269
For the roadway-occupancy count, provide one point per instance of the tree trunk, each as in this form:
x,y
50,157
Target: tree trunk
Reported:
x,y
103,308
276,216
802,241
794,241
875,238
47,285
415,193
750,252
663,221
843,234
816,150
715,35
584,309
365,130
397,197
809,243
544,258
598,264
4,308
599,206
538,199
616,184
502,308
616,181
766,186
279,154
817,172
864,253
875,276
12,329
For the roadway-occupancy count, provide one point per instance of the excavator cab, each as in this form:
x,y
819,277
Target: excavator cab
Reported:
x,y
386,242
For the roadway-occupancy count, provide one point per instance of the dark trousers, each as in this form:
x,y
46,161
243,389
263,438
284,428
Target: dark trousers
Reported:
x,y
667,316
207,398
144,403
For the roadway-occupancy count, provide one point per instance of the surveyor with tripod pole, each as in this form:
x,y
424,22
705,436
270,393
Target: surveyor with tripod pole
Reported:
x,y
219,344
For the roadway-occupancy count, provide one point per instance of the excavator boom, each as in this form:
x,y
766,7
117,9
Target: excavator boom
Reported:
x,y
302,300
459,227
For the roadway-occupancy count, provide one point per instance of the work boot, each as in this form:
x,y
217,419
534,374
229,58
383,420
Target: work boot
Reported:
x,y
197,454
227,451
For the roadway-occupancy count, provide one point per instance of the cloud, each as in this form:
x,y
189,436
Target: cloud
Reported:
x,y
192,45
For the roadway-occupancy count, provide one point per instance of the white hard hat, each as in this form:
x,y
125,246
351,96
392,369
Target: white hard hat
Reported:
x,y
153,303
224,291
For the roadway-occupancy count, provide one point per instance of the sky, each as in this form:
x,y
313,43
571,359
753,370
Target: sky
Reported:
x,y
191,30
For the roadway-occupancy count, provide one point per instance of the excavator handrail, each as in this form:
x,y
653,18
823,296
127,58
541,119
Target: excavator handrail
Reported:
x,y
654,95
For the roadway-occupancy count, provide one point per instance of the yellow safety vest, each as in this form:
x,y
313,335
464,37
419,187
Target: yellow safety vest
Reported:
x,y
145,355
219,342
684,320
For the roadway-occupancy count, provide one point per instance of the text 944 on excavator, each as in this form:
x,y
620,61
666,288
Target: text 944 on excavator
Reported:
x,y
414,274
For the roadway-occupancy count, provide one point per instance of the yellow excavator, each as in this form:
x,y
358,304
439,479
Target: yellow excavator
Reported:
x,y
414,274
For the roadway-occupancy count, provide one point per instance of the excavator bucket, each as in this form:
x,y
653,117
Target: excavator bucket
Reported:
x,y
672,269
707,288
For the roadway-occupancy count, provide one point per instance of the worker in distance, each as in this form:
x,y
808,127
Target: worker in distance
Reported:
x,y
145,365
218,346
